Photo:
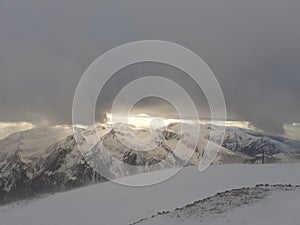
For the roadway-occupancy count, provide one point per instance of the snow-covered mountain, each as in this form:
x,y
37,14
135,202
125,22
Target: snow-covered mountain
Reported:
x,y
47,159
40,161
247,141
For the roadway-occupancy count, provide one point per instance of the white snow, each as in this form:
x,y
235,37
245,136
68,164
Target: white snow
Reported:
x,y
34,142
280,208
112,204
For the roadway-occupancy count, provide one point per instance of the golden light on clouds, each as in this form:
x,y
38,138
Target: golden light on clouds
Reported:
x,y
140,120
144,120
292,131
7,128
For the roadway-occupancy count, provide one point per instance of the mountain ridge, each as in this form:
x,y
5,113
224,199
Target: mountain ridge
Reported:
x,y
45,160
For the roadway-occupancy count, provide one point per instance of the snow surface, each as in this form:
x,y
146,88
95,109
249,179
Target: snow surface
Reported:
x,y
113,204
280,208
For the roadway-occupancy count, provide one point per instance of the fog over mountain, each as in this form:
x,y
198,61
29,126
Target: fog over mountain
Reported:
x,y
251,46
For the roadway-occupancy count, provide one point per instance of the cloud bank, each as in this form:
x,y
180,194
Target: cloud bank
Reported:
x,y
251,46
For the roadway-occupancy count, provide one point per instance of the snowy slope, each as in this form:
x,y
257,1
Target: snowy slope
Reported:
x,y
47,159
247,141
263,204
112,204
280,208
41,160
32,143
157,154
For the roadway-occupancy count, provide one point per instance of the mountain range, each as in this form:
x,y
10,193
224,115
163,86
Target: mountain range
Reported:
x,y
47,159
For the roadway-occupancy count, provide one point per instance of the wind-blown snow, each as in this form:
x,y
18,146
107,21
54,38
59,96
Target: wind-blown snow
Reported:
x,y
33,143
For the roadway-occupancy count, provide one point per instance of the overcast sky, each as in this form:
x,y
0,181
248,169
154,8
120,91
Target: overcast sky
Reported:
x,y
253,47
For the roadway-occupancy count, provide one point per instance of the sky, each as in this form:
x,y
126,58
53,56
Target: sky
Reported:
x,y
251,46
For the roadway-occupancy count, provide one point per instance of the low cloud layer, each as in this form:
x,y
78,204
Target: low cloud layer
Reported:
x,y
251,46
9,128
292,131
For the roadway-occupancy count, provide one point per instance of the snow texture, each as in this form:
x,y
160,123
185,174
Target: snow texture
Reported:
x,y
112,204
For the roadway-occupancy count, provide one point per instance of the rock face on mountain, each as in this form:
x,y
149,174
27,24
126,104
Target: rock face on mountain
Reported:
x,y
45,160
61,168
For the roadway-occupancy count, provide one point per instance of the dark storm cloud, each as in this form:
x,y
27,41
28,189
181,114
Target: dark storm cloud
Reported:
x,y
252,47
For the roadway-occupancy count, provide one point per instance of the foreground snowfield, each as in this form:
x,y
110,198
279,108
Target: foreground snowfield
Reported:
x,y
110,203
281,207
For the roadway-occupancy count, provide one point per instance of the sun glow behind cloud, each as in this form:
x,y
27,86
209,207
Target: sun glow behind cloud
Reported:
x,y
140,120
144,120
292,131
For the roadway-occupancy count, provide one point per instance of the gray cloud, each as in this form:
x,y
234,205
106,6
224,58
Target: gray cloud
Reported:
x,y
252,47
